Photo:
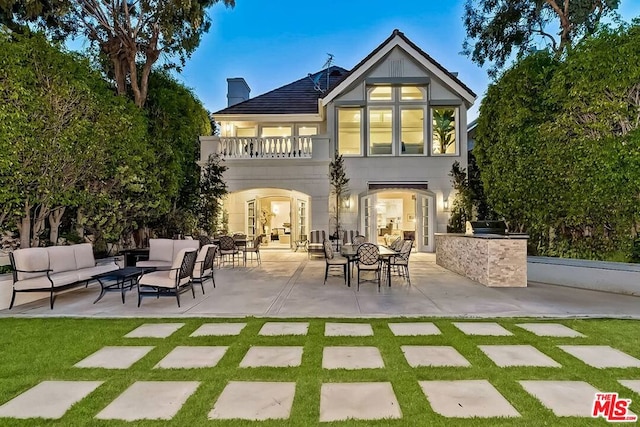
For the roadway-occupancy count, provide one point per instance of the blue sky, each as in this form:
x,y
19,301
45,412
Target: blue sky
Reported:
x,y
272,43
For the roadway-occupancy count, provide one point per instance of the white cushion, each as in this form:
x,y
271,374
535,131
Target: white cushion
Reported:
x,y
156,264
84,255
62,258
161,250
41,282
31,259
178,245
160,279
64,278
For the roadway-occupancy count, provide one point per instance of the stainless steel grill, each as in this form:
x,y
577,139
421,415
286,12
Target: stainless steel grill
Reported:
x,y
486,227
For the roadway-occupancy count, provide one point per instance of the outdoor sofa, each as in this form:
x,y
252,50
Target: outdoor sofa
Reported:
x,y
53,269
162,252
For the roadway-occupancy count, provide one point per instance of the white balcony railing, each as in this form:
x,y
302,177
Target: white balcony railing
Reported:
x,y
293,147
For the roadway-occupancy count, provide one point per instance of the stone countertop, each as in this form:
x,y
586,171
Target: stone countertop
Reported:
x,y
511,236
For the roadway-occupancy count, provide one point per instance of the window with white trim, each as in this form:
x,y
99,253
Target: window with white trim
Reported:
x,y
349,131
444,127
396,120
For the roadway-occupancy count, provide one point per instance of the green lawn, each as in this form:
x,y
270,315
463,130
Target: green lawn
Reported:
x,y
34,350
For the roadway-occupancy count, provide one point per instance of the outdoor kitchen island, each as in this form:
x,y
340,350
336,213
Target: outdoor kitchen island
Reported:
x,y
495,260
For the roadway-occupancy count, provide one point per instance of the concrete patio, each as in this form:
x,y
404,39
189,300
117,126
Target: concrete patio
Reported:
x,y
287,284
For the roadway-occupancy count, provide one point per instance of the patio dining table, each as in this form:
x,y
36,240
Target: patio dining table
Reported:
x,y
350,252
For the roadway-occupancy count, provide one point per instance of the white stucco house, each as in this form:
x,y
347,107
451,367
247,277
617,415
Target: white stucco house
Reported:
x,y
398,118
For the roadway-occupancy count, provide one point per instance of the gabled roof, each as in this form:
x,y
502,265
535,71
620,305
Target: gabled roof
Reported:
x,y
397,38
299,97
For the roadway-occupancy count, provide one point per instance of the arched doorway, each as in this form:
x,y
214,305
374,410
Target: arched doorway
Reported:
x,y
280,215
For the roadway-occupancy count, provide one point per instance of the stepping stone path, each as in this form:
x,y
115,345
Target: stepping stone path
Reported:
x,y
414,329
601,356
550,330
482,328
351,358
49,399
219,329
254,401
466,399
274,357
121,357
149,400
347,330
192,357
154,330
433,355
517,355
284,328
421,343
564,398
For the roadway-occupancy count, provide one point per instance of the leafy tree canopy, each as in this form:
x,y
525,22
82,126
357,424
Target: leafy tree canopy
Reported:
x,y
558,145
498,28
132,35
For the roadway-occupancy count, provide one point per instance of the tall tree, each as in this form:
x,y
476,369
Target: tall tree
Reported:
x,y
497,28
176,119
339,184
213,188
131,34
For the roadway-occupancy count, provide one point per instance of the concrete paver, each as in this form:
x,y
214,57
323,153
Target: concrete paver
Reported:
x,y
49,399
218,329
631,384
466,399
358,401
274,357
517,355
550,330
149,400
414,329
186,357
433,355
347,330
347,357
255,401
482,328
284,328
564,398
116,357
601,356
154,330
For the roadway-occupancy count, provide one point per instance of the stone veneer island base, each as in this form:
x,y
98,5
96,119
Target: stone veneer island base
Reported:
x,y
491,259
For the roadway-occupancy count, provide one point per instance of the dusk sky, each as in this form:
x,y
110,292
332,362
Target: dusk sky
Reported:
x,y
273,43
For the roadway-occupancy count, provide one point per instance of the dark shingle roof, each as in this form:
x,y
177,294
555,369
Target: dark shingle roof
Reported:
x,y
299,97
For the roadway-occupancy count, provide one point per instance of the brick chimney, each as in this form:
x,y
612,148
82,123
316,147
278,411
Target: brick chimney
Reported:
x,y
237,91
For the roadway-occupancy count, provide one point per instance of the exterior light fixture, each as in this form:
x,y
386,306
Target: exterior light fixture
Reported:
x,y
445,204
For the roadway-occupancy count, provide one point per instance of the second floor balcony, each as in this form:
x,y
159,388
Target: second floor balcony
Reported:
x,y
265,148
254,148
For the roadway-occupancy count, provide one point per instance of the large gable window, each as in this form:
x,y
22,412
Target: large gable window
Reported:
x,y
349,131
396,120
445,130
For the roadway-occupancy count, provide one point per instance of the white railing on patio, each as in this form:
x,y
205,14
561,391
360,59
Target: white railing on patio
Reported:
x,y
288,147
